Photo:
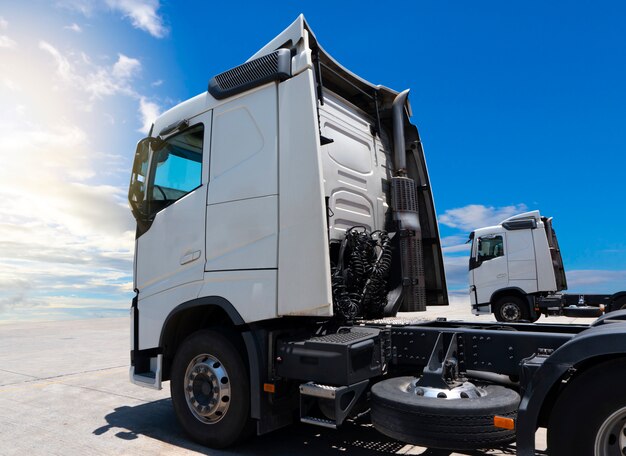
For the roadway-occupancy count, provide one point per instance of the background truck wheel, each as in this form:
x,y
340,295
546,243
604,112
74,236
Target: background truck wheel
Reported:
x,y
598,397
210,389
442,423
511,309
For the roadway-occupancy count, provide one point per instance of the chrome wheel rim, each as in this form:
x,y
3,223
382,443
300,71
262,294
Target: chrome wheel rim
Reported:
x,y
611,437
510,311
207,388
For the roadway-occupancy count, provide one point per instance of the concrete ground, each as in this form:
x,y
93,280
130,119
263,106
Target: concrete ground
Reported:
x,y
64,390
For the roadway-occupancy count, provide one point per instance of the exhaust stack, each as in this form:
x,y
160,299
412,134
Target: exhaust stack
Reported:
x,y
406,215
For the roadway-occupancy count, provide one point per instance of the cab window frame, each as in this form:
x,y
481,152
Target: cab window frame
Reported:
x,y
152,173
491,256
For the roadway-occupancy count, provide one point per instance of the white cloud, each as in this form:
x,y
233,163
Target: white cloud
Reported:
x,y
148,112
73,27
11,84
126,67
456,271
157,83
85,7
60,235
97,81
7,43
142,14
454,244
596,280
4,24
66,232
475,216
64,69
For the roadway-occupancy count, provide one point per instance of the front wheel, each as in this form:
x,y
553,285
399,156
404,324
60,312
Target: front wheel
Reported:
x,y
510,309
599,396
210,389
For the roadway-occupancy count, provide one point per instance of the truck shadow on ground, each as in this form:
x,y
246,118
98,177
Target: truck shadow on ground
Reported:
x,y
156,420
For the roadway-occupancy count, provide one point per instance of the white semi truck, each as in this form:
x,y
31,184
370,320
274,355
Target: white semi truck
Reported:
x,y
283,218
516,271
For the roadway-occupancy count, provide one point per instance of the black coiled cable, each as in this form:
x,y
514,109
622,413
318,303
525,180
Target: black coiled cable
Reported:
x,y
359,281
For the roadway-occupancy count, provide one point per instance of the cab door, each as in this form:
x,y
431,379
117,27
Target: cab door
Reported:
x,y
172,250
489,266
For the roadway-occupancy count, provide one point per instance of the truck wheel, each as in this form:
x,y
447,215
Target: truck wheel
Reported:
x,y
446,423
599,396
210,389
511,309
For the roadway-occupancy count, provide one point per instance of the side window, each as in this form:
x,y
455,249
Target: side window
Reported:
x,y
490,247
176,168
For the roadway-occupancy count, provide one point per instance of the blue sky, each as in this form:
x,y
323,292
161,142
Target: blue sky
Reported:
x,y
521,106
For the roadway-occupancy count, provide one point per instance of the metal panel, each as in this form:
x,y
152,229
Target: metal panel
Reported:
x,y
355,168
303,258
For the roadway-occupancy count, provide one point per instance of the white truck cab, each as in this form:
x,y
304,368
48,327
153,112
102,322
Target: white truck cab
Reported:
x,y
284,217
516,271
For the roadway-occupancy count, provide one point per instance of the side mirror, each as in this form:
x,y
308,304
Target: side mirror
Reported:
x,y
139,179
474,263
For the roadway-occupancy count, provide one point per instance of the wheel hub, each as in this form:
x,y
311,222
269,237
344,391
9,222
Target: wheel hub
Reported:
x,y
207,388
510,312
465,391
611,437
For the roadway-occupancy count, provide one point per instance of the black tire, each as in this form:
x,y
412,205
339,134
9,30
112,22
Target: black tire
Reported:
x,y
510,309
230,425
450,424
593,396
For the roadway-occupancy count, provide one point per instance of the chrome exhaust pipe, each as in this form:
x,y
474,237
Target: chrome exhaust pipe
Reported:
x,y
399,143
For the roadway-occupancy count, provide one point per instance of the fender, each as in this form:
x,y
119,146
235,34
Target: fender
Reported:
x,y
253,349
606,338
504,292
214,301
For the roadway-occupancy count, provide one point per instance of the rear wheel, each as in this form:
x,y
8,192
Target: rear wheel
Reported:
x,y
511,309
599,396
210,389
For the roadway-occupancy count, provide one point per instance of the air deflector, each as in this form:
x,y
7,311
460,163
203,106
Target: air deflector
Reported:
x,y
275,66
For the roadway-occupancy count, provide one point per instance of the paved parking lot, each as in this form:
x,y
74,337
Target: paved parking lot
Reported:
x,y
64,390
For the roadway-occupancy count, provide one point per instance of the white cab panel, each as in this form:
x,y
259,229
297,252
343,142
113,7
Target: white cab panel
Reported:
x,y
521,255
244,147
303,258
176,234
252,292
354,166
153,310
242,234
172,250
492,274
546,280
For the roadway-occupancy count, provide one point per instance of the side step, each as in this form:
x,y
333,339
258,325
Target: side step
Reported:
x,y
328,406
150,378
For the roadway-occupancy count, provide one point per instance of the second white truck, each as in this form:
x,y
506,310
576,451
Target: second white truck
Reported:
x,y
516,271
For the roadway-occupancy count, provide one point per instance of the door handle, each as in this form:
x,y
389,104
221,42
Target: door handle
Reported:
x,y
501,276
188,258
